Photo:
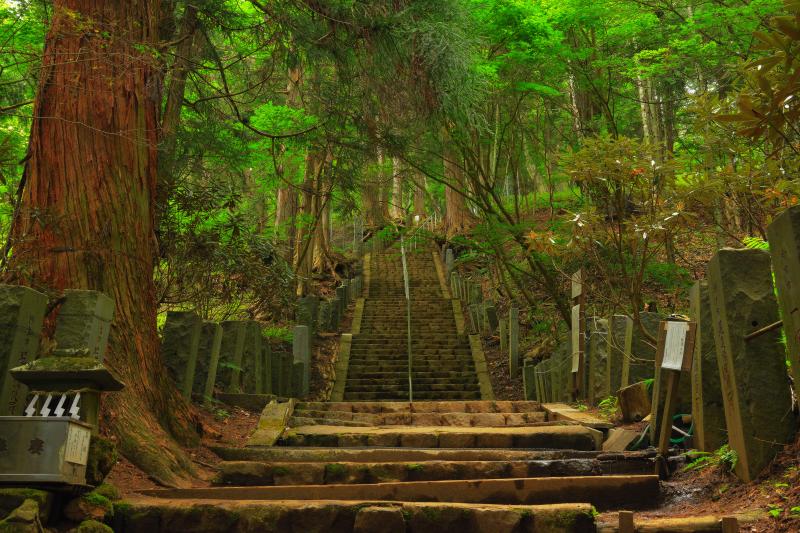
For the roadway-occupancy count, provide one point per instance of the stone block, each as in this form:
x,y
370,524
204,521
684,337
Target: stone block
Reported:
x,y
708,410
385,519
529,382
207,358
324,316
449,261
503,327
336,314
473,313
597,357
513,342
83,324
231,355
267,368
179,346
21,317
634,402
301,350
307,309
490,320
287,364
784,244
298,376
641,364
252,377
755,385
620,336
341,295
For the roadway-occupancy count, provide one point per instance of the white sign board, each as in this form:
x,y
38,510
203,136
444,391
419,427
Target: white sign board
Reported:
x,y
576,336
675,345
77,447
577,284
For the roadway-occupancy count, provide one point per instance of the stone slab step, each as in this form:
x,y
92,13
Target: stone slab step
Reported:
x,y
480,406
571,436
261,473
430,419
155,515
604,492
396,397
356,373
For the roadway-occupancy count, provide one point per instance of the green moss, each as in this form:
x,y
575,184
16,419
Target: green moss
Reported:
x,y
108,490
93,526
64,364
11,498
280,471
97,499
102,457
415,467
335,470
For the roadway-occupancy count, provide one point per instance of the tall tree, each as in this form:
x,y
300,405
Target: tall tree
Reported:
x,y
87,209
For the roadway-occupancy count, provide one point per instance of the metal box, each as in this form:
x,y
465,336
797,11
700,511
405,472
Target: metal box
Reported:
x,y
43,450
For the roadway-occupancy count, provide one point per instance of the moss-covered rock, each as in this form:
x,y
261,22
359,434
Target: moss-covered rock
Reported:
x,y
102,457
23,519
90,506
92,526
12,498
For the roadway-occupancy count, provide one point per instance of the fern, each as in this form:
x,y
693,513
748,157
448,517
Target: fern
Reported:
x,y
755,243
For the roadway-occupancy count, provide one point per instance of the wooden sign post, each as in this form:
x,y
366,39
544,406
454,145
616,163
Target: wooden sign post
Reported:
x,y
578,327
675,351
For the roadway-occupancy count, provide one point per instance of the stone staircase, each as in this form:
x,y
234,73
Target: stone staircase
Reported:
x,y
498,466
442,362
376,462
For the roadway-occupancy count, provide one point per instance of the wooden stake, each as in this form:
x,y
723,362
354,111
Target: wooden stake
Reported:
x,y
729,524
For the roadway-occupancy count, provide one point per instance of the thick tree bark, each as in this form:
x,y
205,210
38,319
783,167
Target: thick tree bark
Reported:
x,y
419,195
309,210
396,209
87,212
458,217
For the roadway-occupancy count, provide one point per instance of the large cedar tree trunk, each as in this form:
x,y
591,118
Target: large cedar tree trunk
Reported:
x,y
87,212
458,218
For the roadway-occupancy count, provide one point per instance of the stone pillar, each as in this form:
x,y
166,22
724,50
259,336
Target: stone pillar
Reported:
x,y
475,293
301,350
784,244
597,358
21,317
207,359
474,319
683,404
620,336
449,262
336,314
324,322
341,295
179,345
298,377
503,323
755,387
454,285
513,341
267,369
529,382
490,317
287,363
83,324
348,297
307,312
708,411
231,355
252,381
641,365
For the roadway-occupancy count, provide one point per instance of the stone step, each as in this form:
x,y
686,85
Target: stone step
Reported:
x,y
440,366
398,397
400,389
354,373
421,383
155,515
262,473
560,436
481,406
604,492
430,419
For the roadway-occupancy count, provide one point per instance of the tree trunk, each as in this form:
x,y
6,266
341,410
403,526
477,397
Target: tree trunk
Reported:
x,y
396,209
458,218
419,196
172,110
87,215
304,242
